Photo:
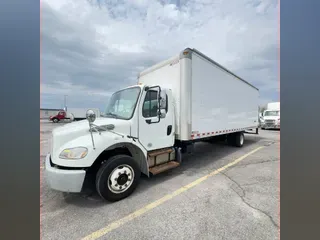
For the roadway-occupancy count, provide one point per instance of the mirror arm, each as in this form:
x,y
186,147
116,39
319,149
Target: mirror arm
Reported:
x,y
90,130
91,117
159,104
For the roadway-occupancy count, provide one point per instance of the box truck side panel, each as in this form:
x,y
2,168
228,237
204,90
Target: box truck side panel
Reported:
x,y
167,75
76,112
221,102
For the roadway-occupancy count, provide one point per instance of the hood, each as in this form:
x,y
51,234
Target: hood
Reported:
x,y
71,131
271,117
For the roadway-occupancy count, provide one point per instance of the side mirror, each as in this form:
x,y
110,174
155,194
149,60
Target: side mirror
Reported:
x,y
162,113
91,116
163,100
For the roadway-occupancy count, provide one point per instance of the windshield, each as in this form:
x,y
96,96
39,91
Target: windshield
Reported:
x,y
272,113
122,103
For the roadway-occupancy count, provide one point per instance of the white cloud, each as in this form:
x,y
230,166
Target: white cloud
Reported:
x,y
90,49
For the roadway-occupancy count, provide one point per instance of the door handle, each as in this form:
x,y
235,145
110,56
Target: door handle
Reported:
x,y
169,130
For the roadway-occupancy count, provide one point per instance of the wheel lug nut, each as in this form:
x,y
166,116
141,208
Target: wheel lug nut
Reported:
x,y
125,171
129,174
126,185
119,173
116,179
120,187
116,185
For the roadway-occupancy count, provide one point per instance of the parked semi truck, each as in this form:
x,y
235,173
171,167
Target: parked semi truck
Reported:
x,y
72,114
148,127
271,116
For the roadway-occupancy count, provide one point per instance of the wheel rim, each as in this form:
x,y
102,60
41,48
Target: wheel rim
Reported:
x,y
241,139
120,179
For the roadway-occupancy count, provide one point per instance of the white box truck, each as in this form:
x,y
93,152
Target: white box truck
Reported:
x,y
271,116
147,127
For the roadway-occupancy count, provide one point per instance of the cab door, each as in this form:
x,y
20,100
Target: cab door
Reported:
x,y
61,115
155,131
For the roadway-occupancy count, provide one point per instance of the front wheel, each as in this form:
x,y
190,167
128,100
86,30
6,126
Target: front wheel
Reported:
x,y
117,178
55,120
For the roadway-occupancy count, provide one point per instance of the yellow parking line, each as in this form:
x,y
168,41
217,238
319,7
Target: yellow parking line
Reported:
x,y
116,224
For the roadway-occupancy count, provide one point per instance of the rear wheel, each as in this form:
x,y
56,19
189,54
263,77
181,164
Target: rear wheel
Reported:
x,y
236,139
55,120
239,139
117,178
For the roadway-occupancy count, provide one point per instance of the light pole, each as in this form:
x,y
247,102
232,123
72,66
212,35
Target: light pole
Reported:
x,y
65,102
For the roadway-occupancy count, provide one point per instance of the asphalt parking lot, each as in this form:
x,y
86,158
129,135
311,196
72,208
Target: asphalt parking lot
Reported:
x,y
240,201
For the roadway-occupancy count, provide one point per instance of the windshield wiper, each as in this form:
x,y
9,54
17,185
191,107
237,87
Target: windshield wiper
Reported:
x,y
103,128
112,114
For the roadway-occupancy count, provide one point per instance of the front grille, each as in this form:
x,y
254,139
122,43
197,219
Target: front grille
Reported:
x,y
269,121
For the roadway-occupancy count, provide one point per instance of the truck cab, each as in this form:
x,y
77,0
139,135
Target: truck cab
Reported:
x,y
271,119
136,135
58,117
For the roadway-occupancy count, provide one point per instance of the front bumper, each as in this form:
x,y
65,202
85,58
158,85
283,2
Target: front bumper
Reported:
x,y
64,180
270,126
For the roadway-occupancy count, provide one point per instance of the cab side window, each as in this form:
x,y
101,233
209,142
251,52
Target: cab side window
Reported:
x,y
150,104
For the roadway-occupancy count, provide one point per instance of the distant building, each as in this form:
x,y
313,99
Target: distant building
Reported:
x,y
47,112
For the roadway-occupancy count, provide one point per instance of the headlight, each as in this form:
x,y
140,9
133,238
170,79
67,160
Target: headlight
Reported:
x,y
74,153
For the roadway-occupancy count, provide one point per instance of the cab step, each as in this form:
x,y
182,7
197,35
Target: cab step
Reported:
x,y
160,152
163,167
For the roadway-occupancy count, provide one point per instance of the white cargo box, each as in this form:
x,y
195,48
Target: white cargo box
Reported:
x,y
273,106
209,100
80,113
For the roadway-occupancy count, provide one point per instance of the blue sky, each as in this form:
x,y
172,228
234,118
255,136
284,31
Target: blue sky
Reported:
x,y
90,50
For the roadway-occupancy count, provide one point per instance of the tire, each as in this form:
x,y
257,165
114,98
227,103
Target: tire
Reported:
x,y
55,120
113,190
236,139
239,139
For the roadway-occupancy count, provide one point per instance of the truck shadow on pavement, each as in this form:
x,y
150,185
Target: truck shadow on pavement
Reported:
x,y
204,154
197,163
